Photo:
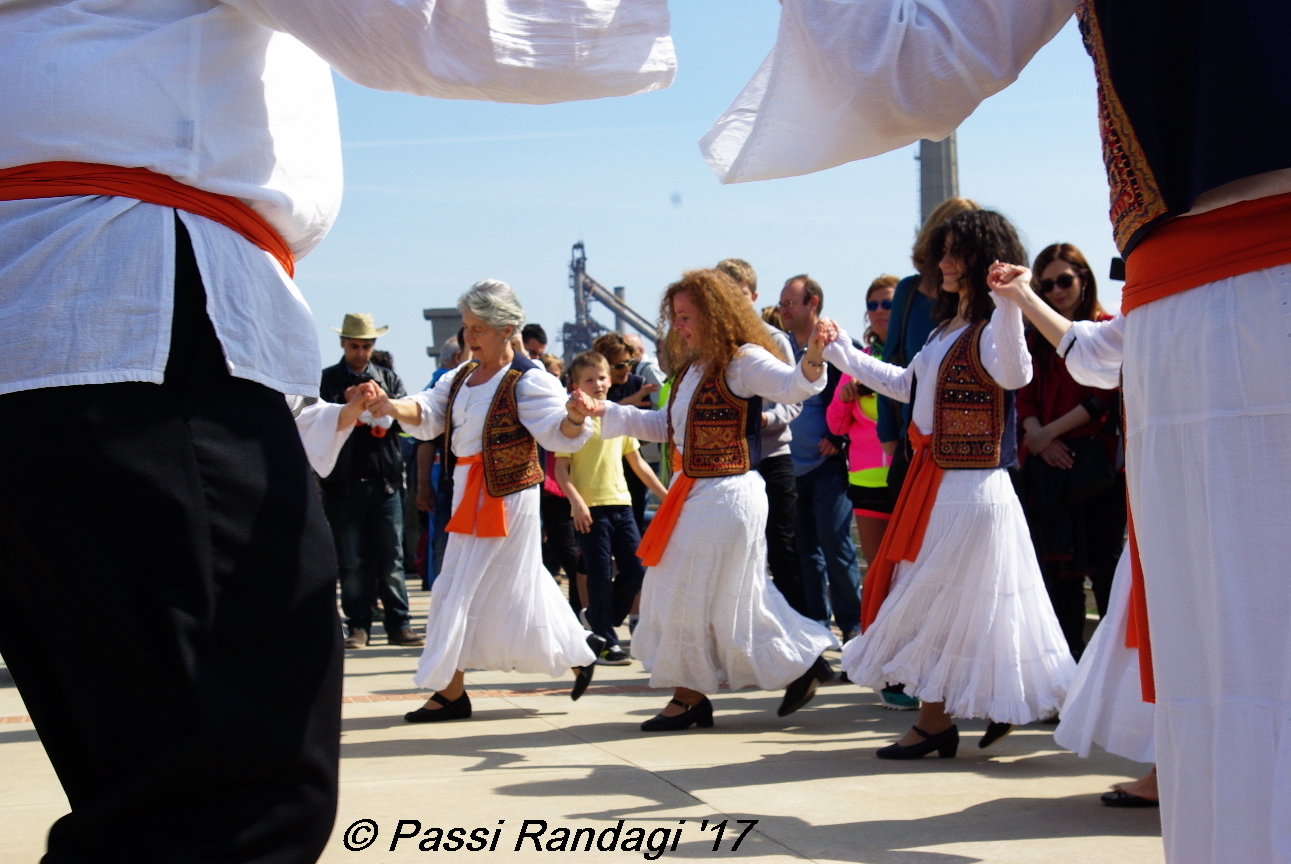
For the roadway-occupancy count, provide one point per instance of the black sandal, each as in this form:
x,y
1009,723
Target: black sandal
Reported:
x,y
454,709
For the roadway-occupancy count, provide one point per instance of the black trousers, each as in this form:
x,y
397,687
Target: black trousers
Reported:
x,y
191,703
782,519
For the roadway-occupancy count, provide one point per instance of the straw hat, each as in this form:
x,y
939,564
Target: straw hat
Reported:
x,y
360,325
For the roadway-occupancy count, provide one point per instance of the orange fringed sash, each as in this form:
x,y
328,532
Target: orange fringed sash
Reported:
x,y
904,537
56,179
478,513
659,531
1187,252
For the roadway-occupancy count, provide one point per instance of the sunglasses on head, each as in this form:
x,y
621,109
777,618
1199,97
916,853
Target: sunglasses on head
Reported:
x,y
1064,282
876,305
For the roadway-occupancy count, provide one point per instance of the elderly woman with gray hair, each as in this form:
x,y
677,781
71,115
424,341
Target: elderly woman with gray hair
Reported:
x,y
495,606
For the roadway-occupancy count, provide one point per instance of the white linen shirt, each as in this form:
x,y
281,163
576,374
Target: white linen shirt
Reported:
x,y
539,396
236,98
1004,353
753,371
850,79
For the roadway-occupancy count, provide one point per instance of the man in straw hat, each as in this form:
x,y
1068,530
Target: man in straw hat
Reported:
x,y
362,496
148,234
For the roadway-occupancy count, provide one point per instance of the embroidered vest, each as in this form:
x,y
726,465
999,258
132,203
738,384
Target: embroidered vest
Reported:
x,y
974,421
1191,96
510,453
723,431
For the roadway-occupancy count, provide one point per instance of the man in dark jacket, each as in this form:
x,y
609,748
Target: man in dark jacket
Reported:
x,y
363,498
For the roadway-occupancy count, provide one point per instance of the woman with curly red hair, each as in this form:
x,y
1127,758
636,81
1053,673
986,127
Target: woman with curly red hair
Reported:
x,y
708,611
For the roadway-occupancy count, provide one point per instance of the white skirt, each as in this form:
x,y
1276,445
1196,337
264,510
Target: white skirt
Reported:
x,y
494,606
968,622
709,612
1208,455
1105,704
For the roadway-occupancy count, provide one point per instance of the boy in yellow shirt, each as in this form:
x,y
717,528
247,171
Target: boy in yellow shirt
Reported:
x,y
593,481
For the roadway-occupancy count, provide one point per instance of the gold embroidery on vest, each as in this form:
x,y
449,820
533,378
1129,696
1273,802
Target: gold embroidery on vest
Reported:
x,y
1136,199
510,453
968,417
716,422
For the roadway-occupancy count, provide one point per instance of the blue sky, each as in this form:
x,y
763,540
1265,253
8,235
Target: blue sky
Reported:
x,y
440,194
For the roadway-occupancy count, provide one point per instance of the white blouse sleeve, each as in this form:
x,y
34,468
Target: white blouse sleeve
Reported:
x,y
1004,346
542,408
534,51
316,423
892,381
755,371
850,79
635,423
434,408
1093,351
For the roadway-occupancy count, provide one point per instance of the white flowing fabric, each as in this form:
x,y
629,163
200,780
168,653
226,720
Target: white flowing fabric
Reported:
x,y
1105,704
709,612
236,98
968,622
316,424
1208,454
849,79
494,605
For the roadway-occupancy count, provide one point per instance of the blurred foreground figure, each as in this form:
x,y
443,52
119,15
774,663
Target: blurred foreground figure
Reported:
x,y
162,165
1197,140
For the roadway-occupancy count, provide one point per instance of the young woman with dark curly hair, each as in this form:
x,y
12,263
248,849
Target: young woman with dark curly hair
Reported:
x,y
708,611
954,607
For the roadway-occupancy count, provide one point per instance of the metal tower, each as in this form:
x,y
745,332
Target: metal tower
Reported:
x,y
938,174
579,334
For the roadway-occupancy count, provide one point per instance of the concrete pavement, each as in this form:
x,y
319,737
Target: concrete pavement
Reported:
x,y
529,753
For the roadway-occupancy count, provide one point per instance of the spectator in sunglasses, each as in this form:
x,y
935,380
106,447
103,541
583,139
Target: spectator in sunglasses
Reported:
x,y
1073,492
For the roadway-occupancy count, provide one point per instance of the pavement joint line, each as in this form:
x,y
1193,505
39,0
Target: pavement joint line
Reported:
x,y
601,690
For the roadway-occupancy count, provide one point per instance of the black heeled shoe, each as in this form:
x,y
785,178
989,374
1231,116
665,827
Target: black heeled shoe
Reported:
x,y
599,645
455,709
701,714
994,732
945,742
803,688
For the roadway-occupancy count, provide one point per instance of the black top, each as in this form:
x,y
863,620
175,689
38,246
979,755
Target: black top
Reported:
x,y
364,456
1203,98
622,391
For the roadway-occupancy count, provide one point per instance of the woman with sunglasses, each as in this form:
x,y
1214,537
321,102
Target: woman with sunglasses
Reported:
x,y
854,413
954,607
1073,492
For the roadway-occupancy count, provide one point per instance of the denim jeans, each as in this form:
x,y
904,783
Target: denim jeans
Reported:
x,y
367,530
825,547
614,533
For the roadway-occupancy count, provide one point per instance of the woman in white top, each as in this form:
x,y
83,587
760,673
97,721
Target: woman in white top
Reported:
x,y
967,626
709,613
494,606
1105,704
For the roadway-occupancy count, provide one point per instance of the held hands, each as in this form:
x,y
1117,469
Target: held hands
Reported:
x,y
1008,280
826,331
581,406
357,399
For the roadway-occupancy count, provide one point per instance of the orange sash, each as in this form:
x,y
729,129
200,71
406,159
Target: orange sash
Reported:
x,y
56,179
1136,623
665,519
1187,252
904,537
483,518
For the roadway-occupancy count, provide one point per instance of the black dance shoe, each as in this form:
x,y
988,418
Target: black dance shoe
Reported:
x,y
994,732
799,693
945,742
701,714
1121,798
599,645
456,709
